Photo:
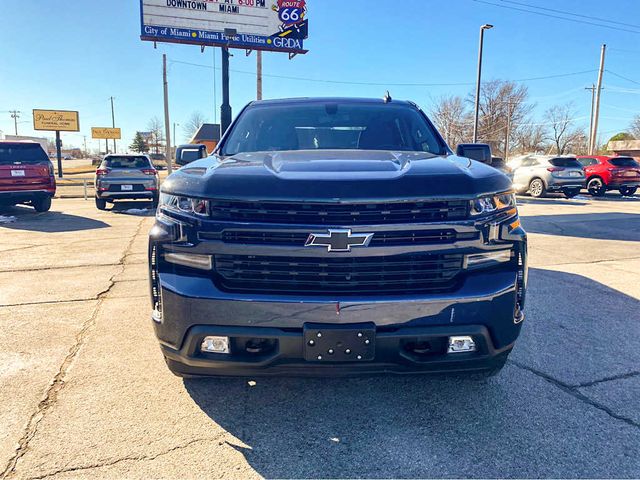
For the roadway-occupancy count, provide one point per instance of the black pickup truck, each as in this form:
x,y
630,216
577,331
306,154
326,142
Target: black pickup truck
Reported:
x,y
336,237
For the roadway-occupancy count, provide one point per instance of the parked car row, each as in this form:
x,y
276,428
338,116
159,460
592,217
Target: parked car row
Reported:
x,y
539,175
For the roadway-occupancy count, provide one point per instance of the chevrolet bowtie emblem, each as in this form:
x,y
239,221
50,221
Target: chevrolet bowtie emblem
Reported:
x,y
339,240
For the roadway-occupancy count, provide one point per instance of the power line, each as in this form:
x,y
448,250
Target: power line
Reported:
x,y
558,17
378,84
599,19
623,78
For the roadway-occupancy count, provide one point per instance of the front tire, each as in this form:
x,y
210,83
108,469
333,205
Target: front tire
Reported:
x,y
571,192
628,191
101,204
42,204
596,187
537,188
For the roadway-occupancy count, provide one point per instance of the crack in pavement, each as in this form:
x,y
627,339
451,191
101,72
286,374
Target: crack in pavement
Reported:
x,y
574,392
622,376
592,262
58,382
62,267
138,458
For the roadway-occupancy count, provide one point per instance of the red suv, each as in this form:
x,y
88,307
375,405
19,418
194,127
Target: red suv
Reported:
x,y
611,173
26,175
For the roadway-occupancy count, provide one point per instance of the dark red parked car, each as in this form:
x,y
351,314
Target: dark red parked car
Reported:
x,y
26,175
611,173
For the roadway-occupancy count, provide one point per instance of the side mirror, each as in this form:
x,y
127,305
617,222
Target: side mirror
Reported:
x,y
480,152
190,153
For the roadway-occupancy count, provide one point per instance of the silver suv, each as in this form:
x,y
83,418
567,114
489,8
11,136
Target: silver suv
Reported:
x,y
126,177
540,174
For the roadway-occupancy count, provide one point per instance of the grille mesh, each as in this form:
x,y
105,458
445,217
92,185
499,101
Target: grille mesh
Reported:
x,y
350,275
339,214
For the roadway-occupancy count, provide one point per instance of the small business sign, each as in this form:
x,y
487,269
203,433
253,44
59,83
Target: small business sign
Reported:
x,y
272,25
56,120
106,133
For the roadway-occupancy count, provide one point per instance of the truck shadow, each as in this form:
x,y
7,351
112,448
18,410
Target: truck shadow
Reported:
x,y
603,226
48,222
517,424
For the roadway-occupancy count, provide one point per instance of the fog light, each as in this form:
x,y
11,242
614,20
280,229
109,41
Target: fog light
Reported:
x,y
461,345
215,345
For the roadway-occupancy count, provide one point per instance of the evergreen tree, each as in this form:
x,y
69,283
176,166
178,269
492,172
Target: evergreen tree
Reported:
x,y
139,145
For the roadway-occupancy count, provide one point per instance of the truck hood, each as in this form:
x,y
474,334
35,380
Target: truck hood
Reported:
x,y
335,175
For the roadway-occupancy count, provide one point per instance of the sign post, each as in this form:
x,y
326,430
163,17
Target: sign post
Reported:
x,y
56,121
261,25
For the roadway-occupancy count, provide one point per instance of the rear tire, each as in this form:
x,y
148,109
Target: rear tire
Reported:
x,y
628,191
537,188
101,204
596,187
42,204
155,202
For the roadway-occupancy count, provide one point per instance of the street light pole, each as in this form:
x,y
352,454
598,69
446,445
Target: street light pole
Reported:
x,y
477,109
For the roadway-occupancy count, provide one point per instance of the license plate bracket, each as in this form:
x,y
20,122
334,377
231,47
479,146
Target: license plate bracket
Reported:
x,y
339,343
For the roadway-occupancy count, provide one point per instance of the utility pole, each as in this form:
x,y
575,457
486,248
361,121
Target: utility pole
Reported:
x,y
477,107
85,145
167,125
113,122
225,108
15,114
508,133
593,105
175,138
259,75
596,111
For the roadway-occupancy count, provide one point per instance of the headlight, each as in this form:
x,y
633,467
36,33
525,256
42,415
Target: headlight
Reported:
x,y
188,205
492,204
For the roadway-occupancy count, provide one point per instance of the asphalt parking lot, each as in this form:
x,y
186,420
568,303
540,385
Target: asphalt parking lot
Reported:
x,y
85,392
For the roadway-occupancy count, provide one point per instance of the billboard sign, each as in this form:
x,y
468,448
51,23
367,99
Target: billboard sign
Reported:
x,y
56,120
273,25
104,133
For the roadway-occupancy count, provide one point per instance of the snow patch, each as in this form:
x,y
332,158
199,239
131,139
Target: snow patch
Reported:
x,y
137,211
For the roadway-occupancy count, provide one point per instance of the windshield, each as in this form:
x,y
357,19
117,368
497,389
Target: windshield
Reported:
x,y
23,153
332,126
623,162
127,162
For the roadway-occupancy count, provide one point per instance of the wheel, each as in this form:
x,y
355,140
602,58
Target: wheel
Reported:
x,y
155,201
42,204
537,188
101,204
628,191
571,192
596,187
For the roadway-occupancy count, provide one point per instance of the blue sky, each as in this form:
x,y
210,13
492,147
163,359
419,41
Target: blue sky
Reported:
x,y
75,54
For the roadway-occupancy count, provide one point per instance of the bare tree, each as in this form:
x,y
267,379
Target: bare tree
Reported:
x,y
196,120
562,133
156,129
635,127
453,120
529,138
503,107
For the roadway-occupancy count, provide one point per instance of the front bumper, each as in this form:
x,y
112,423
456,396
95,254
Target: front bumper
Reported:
x,y
394,353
